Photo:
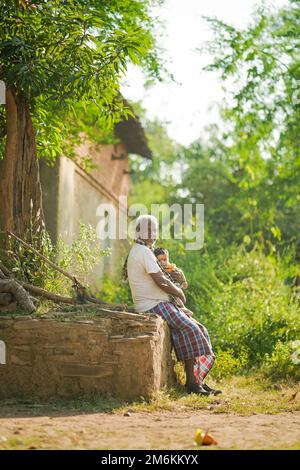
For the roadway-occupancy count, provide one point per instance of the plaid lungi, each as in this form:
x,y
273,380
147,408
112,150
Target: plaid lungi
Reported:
x,y
202,366
190,339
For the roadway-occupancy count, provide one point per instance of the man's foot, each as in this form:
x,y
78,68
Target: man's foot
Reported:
x,y
195,388
210,390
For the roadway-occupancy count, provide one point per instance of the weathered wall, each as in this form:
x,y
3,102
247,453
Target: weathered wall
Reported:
x,y
123,354
80,193
111,166
71,196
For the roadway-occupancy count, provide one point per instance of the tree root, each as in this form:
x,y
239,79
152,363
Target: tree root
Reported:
x,y
22,297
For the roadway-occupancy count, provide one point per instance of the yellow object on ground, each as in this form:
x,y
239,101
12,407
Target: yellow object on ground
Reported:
x,y
204,439
198,437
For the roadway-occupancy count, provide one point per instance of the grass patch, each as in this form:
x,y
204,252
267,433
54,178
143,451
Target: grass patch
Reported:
x,y
241,395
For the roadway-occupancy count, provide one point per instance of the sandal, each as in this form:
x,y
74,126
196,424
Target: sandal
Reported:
x,y
195,388
213,391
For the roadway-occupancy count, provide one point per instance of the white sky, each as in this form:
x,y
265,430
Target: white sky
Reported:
x,y
185,105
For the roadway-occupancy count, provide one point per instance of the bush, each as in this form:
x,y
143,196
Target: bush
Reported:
x,y
228,364
245,299
283,362
79,259
114,291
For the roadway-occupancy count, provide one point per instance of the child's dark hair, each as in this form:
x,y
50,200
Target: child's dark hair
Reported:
x,y
160,251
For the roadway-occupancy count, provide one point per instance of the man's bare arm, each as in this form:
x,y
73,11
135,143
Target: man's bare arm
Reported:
x,y
167,286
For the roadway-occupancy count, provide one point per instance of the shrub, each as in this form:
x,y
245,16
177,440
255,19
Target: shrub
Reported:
x,y
245,299
112,290
79,259
283,362
228,363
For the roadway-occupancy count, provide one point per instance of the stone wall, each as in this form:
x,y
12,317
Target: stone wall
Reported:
x,y
123,354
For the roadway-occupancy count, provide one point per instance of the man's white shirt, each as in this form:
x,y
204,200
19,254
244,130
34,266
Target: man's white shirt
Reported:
x,y
145,293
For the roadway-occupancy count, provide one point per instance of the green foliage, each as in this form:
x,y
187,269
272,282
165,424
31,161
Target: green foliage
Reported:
x,y
228,363
155,181
60,52
261,67
78,259
115,291
244,298
279,364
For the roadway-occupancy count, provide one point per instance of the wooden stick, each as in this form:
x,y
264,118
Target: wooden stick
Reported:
x,y
37,290
48,295
67,300
94,302
105,306
53,265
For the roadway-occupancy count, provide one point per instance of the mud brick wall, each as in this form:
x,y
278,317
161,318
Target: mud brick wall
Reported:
x,y
123,354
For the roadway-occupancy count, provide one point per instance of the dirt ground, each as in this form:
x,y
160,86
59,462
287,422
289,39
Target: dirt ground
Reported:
x,y
252,413
156,430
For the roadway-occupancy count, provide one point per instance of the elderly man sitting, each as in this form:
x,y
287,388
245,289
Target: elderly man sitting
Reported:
x,y
151,291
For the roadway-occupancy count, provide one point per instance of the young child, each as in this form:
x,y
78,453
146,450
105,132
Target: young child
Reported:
x,y
162,256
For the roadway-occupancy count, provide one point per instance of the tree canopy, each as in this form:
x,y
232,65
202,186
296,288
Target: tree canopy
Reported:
x,y
247,173
58,52
261,143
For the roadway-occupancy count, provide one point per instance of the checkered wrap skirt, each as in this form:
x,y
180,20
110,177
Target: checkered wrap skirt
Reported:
x,y
190,339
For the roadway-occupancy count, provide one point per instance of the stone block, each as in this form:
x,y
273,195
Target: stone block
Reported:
x,y
126,355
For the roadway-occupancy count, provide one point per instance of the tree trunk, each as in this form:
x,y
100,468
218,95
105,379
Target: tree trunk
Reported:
x,y
20,187
22,297
5,298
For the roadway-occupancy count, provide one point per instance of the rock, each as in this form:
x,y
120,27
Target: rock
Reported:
x,y
48,357
22,317
5,298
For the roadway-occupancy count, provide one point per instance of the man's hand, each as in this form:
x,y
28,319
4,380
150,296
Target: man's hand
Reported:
x,y
182,296
167,285
188,312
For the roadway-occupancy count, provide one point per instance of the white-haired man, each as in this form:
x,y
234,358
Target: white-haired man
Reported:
x,y
151,291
